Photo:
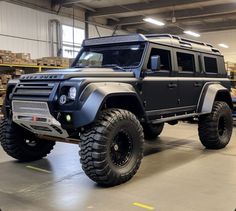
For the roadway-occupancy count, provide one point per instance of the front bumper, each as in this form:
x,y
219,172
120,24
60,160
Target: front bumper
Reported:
x,y
35,117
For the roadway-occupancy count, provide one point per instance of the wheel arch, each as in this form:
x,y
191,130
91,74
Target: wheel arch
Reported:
x,y
213,92
128,101
98,96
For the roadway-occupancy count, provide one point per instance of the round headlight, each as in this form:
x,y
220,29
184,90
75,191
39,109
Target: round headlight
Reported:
x,y
62,99
72,93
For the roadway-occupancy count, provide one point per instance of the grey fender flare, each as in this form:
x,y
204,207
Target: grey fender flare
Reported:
x,y
209,95
94,96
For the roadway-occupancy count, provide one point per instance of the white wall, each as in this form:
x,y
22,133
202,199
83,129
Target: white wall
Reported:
x,y
32,24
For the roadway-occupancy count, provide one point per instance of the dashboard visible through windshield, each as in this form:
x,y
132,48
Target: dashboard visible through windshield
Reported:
x,y
116,56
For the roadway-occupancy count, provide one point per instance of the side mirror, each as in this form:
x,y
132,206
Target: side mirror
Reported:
x,y
155,63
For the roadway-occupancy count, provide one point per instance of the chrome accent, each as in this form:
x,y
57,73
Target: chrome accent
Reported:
x,y
36,117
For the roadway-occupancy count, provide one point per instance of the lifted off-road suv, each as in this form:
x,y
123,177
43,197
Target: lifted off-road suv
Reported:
x,y
118,91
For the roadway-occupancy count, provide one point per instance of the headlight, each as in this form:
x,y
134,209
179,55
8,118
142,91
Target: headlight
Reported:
x,y
72,93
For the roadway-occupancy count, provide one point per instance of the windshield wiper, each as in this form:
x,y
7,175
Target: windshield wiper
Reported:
x,y
113,66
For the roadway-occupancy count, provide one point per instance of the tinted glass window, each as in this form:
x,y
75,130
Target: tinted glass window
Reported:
x,y
117,56
210,65
164,56
186,62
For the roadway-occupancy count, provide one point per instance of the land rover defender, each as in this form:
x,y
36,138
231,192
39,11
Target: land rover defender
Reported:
x,y
118,92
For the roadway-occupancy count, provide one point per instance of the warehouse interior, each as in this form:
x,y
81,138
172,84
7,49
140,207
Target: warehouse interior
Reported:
x,y
177,172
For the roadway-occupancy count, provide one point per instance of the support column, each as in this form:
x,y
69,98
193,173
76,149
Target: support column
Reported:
x,y
86,18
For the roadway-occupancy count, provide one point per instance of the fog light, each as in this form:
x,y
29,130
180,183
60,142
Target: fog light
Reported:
x,y
68,118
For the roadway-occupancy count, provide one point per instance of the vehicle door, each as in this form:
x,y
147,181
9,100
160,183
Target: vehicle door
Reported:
x,y
160,88
189,79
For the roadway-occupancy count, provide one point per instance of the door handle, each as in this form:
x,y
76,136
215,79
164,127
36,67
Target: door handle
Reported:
x,y
172,85
197,84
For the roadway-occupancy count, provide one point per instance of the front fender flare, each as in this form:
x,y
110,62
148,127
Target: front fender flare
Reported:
x,y
94,96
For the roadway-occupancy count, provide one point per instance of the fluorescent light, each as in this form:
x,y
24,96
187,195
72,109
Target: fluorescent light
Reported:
x,y
223,45
154,21
192,33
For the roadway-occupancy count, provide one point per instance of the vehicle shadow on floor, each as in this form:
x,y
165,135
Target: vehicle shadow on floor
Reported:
x,y
161,155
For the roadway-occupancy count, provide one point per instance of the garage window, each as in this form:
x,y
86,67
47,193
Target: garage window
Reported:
x,y
210,65
165,57
186,62
71,41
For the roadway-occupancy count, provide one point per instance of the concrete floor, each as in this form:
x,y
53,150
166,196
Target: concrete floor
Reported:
x,y
177,173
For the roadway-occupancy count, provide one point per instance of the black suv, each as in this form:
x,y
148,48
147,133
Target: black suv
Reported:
x,y
119,91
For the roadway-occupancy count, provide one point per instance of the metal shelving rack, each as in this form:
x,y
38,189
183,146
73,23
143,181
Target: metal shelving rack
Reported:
x,y
27,68
40,68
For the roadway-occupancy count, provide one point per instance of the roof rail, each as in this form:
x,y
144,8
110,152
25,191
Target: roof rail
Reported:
x,y
158,35
178,38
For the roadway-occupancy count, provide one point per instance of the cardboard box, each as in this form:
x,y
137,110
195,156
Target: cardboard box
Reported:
x,y
5,78
23,56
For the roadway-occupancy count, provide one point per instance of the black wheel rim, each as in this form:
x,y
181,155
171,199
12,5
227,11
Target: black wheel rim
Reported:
x,y
222,126
121,148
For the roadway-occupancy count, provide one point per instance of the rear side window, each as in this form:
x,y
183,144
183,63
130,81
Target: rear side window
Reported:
x,y
165,57
186,62
210,65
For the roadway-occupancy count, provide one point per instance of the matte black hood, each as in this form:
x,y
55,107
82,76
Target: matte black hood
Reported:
x,y
64,74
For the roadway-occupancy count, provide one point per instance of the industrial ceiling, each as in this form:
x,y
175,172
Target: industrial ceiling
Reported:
x,y
178,15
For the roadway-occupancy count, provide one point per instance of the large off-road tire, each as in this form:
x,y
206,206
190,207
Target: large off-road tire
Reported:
x,y
111,149
215,129
21,145
152,131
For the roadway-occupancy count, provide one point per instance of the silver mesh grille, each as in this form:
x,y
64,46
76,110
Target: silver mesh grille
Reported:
x,y
36,108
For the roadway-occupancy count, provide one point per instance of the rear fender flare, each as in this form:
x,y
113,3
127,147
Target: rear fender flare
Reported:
x,y
212,92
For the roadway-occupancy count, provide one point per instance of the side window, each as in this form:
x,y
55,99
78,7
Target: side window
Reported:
x,y
185,62
165,57
210,65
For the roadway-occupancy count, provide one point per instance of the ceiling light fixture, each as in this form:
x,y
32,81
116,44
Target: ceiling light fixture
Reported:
x,y
223,45
173,19
192,33
154,21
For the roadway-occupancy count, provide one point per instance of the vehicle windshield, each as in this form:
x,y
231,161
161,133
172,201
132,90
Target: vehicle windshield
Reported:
x,y
124,56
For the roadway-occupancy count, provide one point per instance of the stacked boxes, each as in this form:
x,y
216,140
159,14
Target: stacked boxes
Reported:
x,y
8,57
24,58
53,61
4,80
3,84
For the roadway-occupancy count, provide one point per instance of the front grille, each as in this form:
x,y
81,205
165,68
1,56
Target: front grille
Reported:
x,y
33,91
35,108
